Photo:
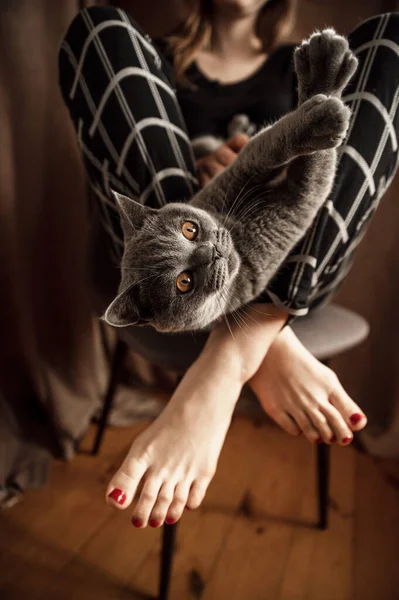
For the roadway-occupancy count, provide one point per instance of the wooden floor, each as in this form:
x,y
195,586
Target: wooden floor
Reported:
x,y
252,540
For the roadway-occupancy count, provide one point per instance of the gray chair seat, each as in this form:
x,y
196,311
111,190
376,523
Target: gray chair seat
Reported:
x,y
331,330
325,332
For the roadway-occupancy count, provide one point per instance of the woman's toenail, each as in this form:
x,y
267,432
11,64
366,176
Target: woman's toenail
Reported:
x,y
118,496
319,441
346,440
356,418
170,521
137,522
333,439
154,523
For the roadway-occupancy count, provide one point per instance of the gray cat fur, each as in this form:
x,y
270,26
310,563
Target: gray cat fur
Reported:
x,y
250,216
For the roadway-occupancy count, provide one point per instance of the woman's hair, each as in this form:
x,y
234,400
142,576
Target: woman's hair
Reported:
x,y
275,21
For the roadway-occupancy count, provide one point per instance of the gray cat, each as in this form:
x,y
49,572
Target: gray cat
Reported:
x,y
188,264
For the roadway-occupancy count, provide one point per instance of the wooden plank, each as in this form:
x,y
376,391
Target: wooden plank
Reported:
x,y
202,533
249,540
376,535
253,557
320,562
50,526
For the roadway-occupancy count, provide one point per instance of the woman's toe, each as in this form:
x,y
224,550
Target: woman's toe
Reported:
x,y
179,503
354,417
162,504
321,425
283,419
146,501
123,486
306,426
341,432
197,493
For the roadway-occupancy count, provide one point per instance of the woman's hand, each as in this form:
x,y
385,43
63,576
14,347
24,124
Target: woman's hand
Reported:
x,y
212,164
303,395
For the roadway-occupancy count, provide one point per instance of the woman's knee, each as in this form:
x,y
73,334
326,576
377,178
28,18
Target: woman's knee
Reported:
x,y
99,18
377,30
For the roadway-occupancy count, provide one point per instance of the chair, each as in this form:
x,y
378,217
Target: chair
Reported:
x,y
326,332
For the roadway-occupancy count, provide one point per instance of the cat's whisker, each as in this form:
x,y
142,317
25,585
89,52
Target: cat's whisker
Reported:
x,y
239,322
228,326
233,313
250,307
238,198
145,279
238,215
225,317
249,210
244,313
251,205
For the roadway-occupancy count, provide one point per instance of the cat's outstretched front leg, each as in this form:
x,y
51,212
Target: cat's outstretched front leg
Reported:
x,y
324,64
320,123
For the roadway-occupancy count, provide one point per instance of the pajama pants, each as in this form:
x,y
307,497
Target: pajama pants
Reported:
x,y
119,92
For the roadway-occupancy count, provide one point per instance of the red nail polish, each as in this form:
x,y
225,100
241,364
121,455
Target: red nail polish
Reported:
x,y
319,441
118,496
154,523
170,521
333,439
137,522
346,440
356,418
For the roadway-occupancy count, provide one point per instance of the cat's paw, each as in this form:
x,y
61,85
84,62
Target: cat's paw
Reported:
x,y
325,122
324,64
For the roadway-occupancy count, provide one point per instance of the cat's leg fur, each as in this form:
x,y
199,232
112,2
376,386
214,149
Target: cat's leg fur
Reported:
x,y
324,64
320,123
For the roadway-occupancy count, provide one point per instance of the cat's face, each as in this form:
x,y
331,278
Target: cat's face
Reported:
x,y
178,267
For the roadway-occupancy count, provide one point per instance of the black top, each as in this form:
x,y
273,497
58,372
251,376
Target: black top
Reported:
x,y
264,96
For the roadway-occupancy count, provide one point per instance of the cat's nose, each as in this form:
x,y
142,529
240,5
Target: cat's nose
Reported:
x,y
204,254
218,251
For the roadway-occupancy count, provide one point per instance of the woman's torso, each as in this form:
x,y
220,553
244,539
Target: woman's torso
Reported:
x,y
210,106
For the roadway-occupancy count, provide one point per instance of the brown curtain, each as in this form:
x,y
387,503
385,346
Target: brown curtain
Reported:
x,y
47,350
52,369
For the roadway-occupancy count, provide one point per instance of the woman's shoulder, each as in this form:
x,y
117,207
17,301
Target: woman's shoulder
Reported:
x,y
282,57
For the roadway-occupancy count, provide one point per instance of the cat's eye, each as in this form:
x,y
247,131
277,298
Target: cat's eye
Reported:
x,y
184,282
189,230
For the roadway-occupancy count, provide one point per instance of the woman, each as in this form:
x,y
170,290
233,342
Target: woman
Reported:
x,y
119,92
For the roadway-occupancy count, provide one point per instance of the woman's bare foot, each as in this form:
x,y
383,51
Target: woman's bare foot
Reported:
x,y
173,461
302,394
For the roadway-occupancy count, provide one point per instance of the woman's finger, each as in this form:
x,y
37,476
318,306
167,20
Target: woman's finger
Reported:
x,y
238,142
225,155
210,166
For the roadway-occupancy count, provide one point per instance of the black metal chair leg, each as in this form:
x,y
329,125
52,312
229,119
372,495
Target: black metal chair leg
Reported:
x,y
323,477
168,549
116,368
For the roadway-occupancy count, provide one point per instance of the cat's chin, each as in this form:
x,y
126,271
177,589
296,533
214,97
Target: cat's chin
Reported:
x,y
181,329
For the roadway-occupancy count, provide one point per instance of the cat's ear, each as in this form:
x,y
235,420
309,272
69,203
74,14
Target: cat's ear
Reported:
x,y
133,214
124,310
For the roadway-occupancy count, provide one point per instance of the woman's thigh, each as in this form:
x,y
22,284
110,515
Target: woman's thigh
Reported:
x,y
368,159
133,139
119,92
